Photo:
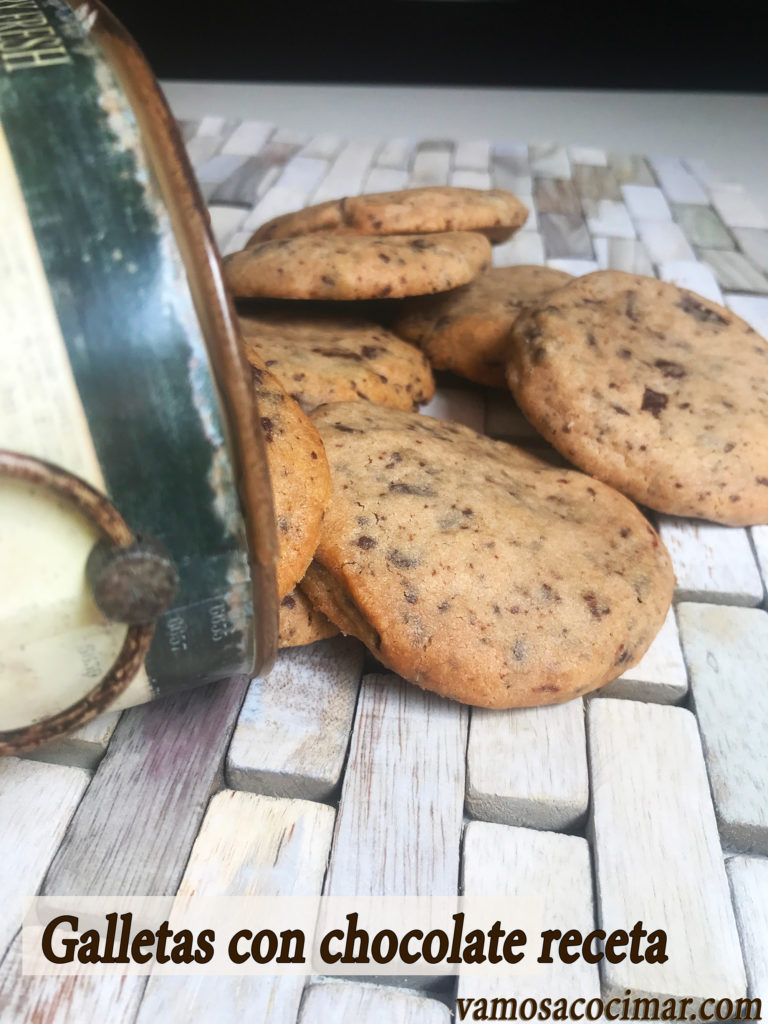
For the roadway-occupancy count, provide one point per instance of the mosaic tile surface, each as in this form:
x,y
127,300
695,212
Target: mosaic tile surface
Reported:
x,y
541,787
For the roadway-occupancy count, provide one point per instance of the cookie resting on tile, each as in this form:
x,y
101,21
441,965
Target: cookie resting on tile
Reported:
x,y
321,359
496,212
467,330
476,570
327,266
298,470
652,389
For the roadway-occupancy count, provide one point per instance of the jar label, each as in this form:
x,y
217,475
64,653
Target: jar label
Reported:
x,y
107,371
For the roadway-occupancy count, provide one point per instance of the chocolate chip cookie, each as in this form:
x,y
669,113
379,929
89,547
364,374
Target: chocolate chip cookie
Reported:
x,y
322,359
652,389
300,623
298,469
477,570
413,210
467,330
329,266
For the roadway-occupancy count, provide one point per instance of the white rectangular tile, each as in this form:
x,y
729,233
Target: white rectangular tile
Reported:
x,y
645,202
749,885
660,674
551,875
248,846
213,125
248,138
400,815
303,173
532,220
292,734
760,541
549,160
737,208
225,221
712,563
754,244
609,218
664,240
348,172
202,148
657,853
396,153
36,804
235,242
461,406
528,766
513,156
587,155
575,267
753,309
726,650
68,1000
627,254
385,179
431,166
84,747
279,200
703,173
348,1001
473,154
523,248
697,277
323,147
677,182
288,137
462,178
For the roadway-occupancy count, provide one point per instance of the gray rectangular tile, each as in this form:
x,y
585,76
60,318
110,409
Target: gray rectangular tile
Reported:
x,y
596,182
565,236
556,195
630,169
734,271
549,160
754,243
726,650
702,226
132,831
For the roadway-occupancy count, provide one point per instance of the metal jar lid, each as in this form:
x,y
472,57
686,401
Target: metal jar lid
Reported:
x,y
125,394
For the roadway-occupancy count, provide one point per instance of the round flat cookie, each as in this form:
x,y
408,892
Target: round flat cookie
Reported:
x,y
477,570
337,359
329,266
653,389
413,210
467,330
298,470
300,623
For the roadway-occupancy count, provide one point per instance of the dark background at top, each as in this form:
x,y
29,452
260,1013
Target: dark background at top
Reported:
x,y
624,45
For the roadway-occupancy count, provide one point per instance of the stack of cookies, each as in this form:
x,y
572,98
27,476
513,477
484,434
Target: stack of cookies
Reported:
x,y
466,565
